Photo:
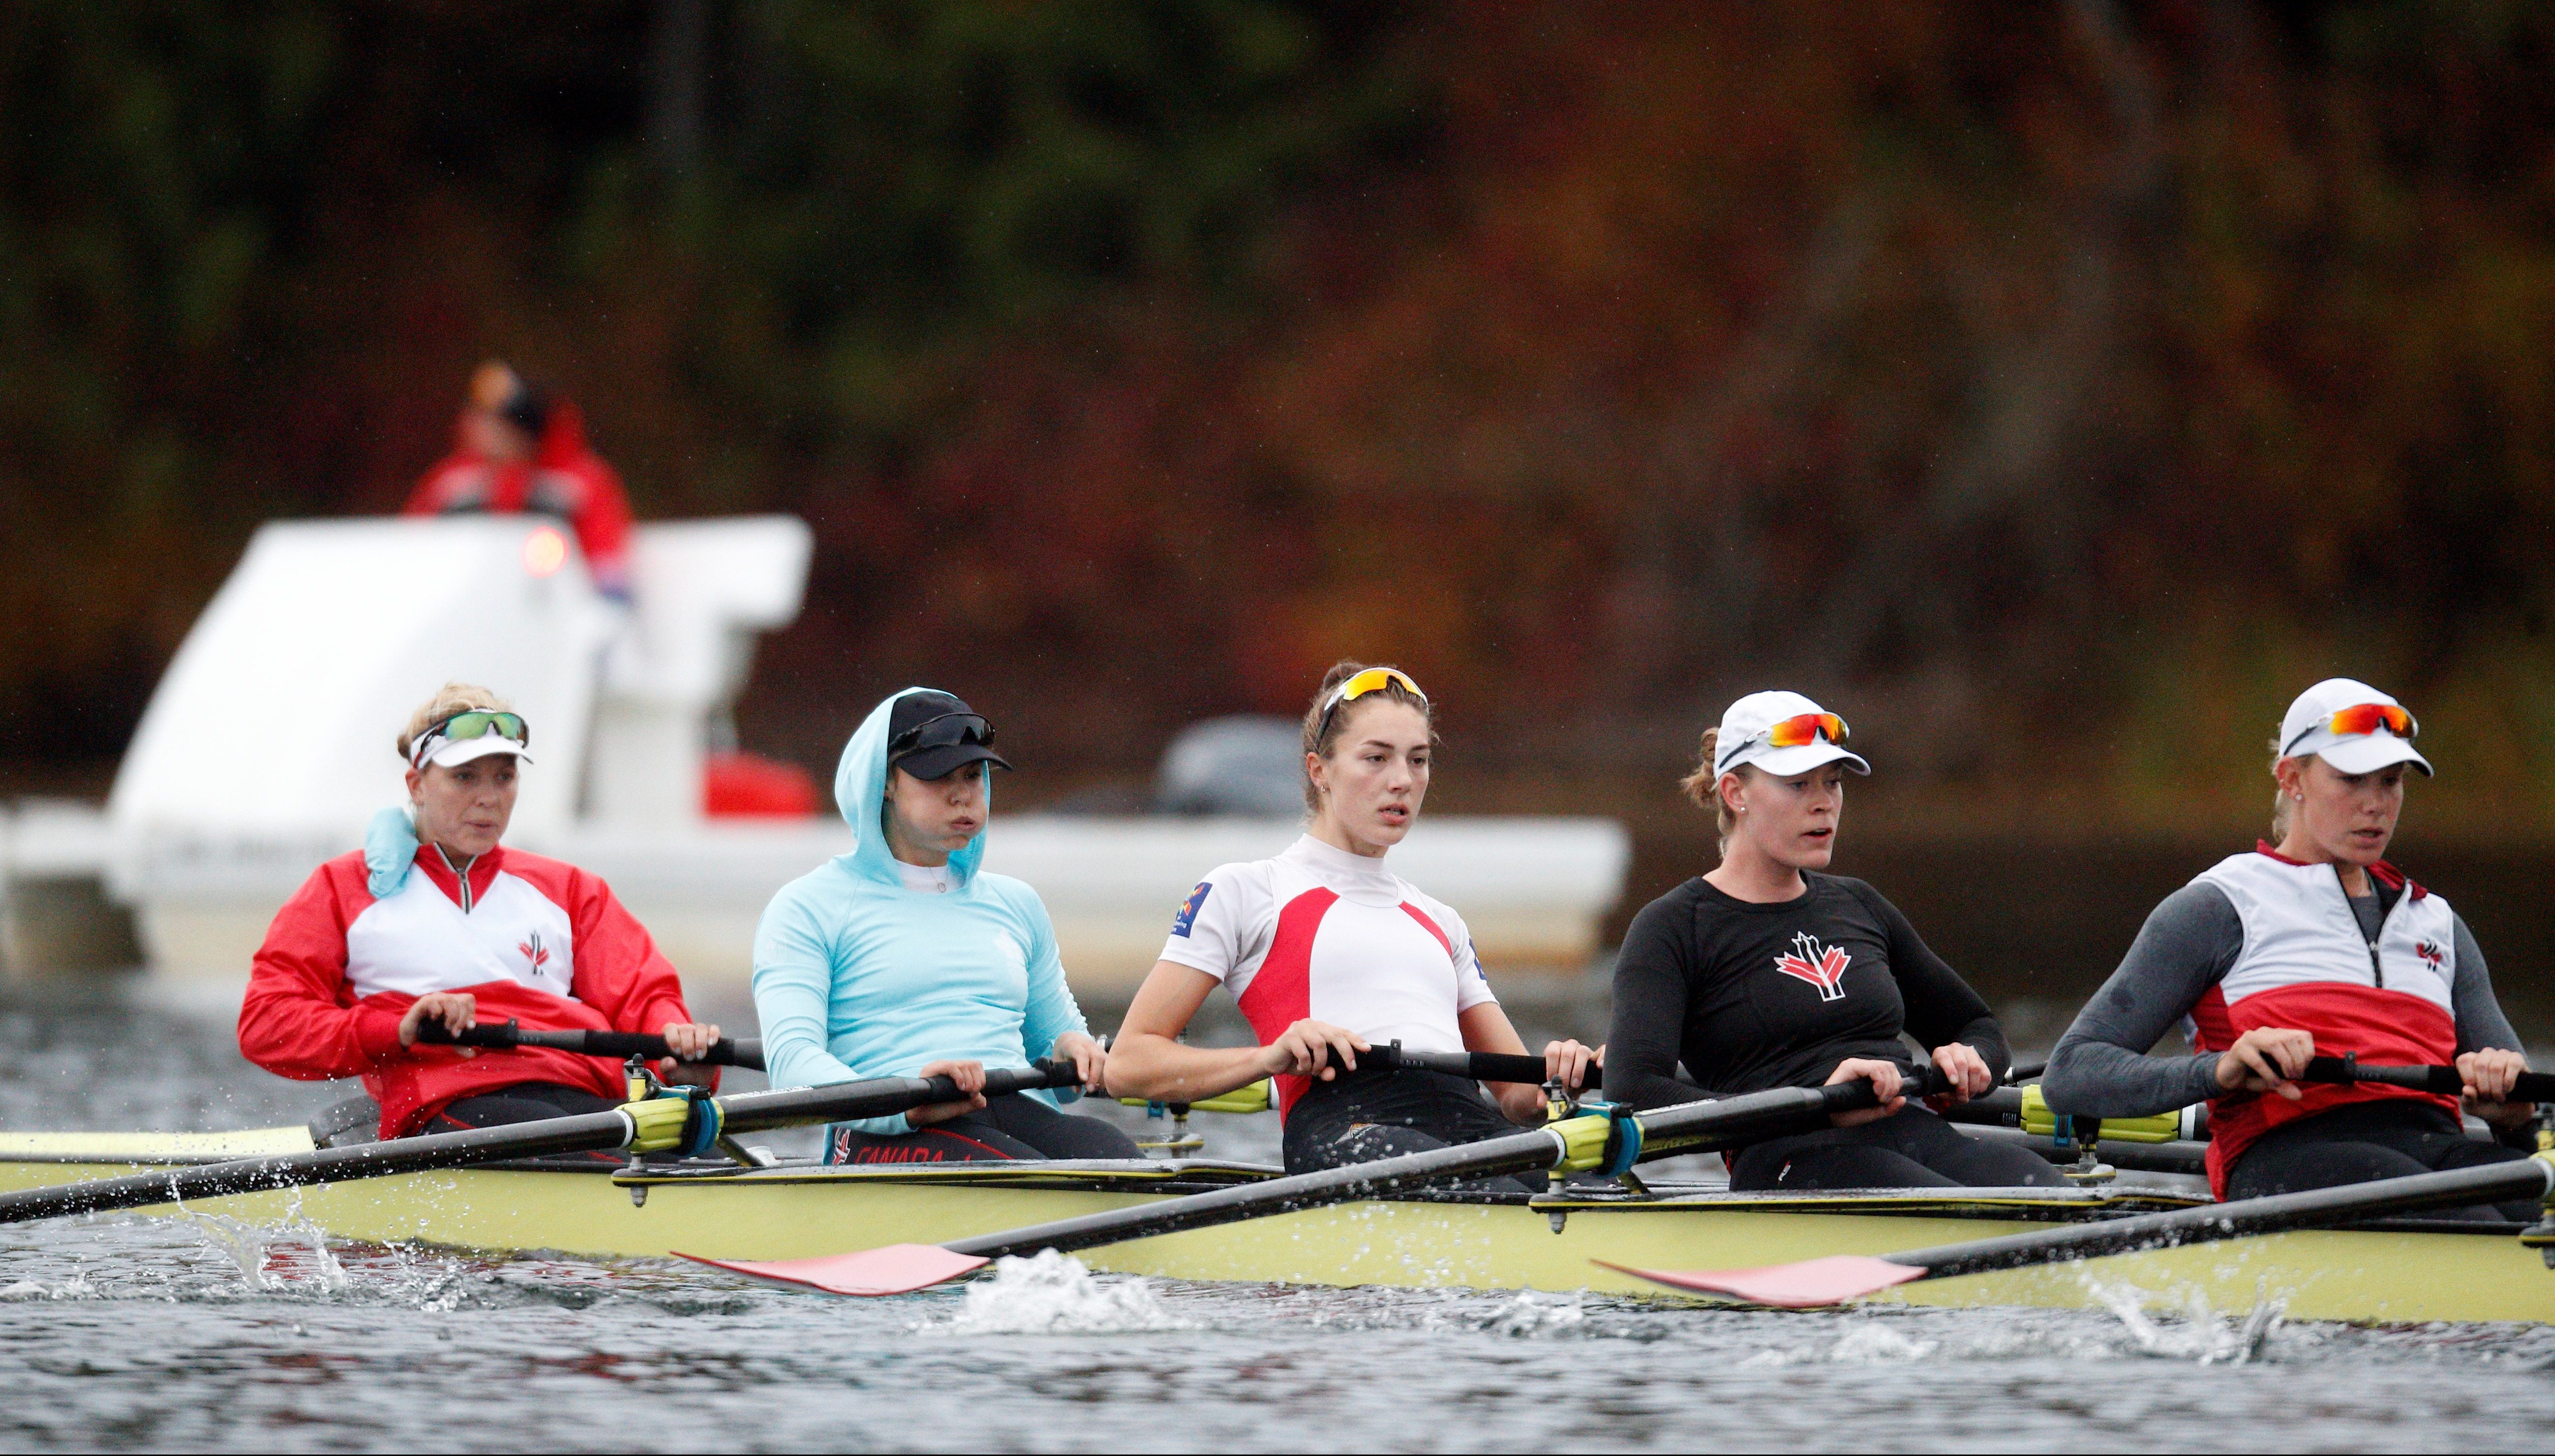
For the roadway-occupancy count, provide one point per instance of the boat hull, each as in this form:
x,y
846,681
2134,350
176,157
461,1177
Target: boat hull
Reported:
x,y
2386,1275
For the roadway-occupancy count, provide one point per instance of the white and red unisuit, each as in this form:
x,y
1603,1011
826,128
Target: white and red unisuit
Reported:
x,y
1335,936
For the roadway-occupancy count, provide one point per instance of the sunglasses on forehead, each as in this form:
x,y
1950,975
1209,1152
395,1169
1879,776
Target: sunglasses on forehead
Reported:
x,y
463,726
949,730
1373,680
1800,731
2359,721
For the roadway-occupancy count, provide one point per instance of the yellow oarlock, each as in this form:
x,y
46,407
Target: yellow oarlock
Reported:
x,y
660,1122
2163,1127
1583,1141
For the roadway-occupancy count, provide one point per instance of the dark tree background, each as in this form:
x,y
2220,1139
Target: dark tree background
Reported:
x,y
2053,389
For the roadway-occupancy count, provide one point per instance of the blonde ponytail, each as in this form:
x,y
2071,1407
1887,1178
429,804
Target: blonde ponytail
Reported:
x,y
1703,785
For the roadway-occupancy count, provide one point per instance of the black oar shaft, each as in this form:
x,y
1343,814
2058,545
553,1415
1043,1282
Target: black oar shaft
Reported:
x,y
754,1112
1480,1066
587,1132
2316,1208
1668,1130
733,1051
598,1132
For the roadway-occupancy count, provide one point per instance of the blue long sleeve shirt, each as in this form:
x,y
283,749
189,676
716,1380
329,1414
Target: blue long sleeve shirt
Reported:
x,y
858,975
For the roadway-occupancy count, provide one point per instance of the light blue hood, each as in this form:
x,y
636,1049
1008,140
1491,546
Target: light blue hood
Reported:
x,y
858,975
860,791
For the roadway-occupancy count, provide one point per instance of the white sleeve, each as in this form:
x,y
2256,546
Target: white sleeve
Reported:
x,y
1472,988
1212,931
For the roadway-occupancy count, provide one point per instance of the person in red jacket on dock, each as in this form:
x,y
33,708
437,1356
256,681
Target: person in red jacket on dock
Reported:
x,y
521,448
435,920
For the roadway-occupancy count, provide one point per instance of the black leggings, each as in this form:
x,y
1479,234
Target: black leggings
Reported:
x,y
524,1102
1913,1148
1005,1130
2360,1141
1364,1114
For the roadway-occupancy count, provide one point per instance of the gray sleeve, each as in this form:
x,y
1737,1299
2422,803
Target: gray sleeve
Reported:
x,y
2101,1067
2480,1022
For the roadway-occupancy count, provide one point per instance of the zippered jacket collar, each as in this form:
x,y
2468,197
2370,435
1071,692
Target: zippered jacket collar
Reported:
x,y
2386,874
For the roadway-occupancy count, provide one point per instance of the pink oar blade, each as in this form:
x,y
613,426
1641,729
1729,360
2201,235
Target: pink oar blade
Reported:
x,y
1804,1285
898,1268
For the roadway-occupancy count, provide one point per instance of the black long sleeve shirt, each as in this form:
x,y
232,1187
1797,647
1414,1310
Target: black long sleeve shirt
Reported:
x,y
1757,995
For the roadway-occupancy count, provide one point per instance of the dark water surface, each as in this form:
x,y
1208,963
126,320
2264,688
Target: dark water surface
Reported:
x,y
126,1332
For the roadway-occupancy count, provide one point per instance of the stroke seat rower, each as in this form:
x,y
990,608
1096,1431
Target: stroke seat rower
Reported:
x,y
1328,953
436,920
906,957
2310,945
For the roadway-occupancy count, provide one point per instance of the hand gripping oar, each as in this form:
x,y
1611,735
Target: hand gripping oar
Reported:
x,y
1839,1278
681,1123
730,1052
2531,1086
1609,1140
1480,1066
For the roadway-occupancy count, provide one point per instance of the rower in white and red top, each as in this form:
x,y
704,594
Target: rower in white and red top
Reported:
x,y
2309,946
433,921
1329,954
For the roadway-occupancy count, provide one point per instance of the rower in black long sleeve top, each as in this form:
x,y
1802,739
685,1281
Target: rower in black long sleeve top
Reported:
x,y
1752,996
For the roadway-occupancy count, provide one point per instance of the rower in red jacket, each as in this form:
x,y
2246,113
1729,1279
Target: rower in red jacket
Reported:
x,y
433,920
521,448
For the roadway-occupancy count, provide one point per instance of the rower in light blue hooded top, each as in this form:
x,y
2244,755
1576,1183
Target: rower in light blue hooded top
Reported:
x,y
856,975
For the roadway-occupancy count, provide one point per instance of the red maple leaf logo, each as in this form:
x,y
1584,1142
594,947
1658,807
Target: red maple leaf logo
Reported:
x,y
1822,966
2431,953
535,952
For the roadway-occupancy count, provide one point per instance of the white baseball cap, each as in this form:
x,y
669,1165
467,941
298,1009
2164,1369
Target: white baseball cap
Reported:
x,y
2317,722
1747,736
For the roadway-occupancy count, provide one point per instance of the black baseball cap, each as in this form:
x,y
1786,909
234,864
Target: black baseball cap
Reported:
x,y
932,735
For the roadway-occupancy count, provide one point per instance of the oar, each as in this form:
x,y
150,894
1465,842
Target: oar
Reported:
x,y
1839,1278
731,1052
689,1123
1610,1141
1480,1066
2531,1087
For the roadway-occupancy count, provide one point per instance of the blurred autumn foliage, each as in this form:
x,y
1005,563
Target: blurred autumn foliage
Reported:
x,y
2053,389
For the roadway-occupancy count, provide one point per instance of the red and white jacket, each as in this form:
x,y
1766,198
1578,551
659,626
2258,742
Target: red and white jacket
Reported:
x,y
2306,966
532,938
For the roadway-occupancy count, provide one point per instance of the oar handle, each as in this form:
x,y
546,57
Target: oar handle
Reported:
x,y
750,1112
1478,1067
2445,1081
731,1052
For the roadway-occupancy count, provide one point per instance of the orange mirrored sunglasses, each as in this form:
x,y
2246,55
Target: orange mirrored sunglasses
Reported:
x,y
2362,720
1799,731
1806,729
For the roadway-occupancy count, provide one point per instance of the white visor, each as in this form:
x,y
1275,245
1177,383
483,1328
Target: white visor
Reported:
x,y
451,754
1743,739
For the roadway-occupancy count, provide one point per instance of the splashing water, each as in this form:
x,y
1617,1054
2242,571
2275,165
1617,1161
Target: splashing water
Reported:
x,y
266,1264
2200,1334
1053,1294
1529,1316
